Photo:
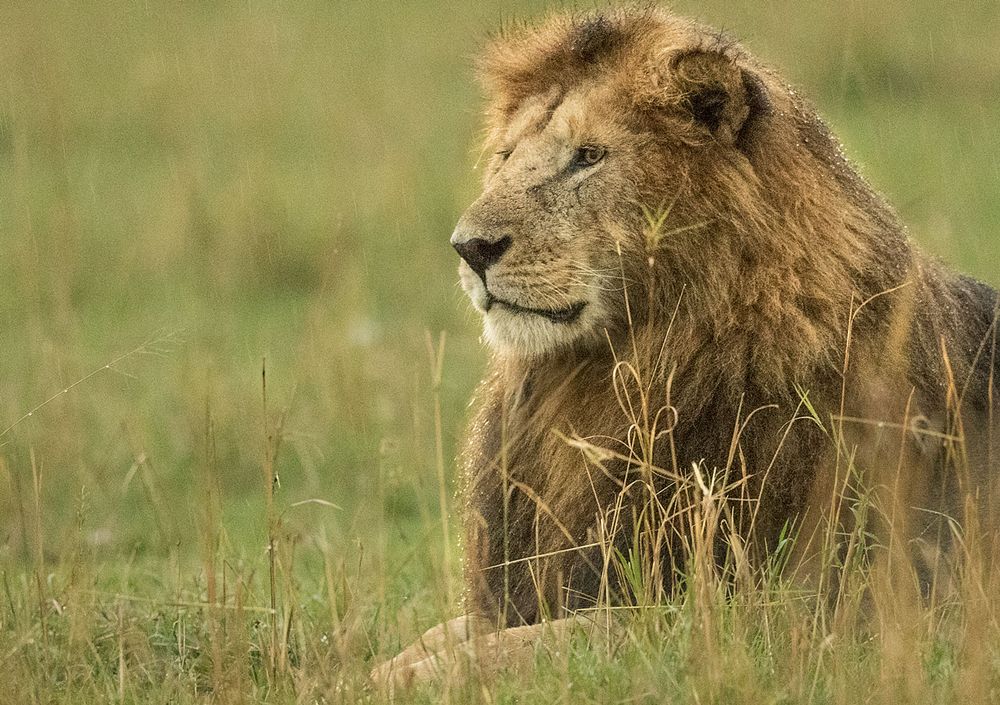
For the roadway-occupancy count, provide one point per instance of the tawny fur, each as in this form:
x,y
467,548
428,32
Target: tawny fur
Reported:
x,y
730,262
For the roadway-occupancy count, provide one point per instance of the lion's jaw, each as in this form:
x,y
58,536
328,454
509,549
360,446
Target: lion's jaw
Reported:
x,y
535,329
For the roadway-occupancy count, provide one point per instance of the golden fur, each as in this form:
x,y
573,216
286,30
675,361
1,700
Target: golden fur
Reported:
x,y
697,291
724,249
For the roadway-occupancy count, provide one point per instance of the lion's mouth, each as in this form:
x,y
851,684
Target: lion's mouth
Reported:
x,y
557,315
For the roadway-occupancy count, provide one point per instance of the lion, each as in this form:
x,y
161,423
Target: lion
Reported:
x,y
689,290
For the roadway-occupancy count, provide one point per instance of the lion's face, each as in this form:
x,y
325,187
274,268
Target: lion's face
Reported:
x,y
628,151
540,259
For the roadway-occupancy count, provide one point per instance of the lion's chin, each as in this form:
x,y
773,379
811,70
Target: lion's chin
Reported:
x,y
514,332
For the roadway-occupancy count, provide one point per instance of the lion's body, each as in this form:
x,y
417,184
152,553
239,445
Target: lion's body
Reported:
x,y
559,497
776,269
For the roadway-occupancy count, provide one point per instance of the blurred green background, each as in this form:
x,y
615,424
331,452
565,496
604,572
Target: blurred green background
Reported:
x,y
213,184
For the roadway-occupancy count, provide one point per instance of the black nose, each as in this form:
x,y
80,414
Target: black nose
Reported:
x,y
480,253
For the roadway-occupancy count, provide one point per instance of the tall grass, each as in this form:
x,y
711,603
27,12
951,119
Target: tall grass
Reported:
x,y
850,617
271,181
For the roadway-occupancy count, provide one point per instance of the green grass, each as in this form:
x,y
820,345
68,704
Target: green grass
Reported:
x,y
215,185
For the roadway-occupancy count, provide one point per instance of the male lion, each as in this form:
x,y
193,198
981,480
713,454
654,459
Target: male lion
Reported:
x,y
690,292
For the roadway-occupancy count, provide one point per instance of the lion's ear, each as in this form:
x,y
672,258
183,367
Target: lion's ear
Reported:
x,y
721,97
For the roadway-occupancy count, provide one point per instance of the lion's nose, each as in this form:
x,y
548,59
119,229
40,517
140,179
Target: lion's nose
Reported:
x,y
480,253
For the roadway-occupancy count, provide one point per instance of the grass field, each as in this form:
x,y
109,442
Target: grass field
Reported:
x,y
193,192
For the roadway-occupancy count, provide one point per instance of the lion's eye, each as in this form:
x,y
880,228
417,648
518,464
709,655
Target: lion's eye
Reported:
x,y
588,155
504,154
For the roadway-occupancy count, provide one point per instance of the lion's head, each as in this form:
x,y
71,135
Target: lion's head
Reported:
x,y
538,251
635,155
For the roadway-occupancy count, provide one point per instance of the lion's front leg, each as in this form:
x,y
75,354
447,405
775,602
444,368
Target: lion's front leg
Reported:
x,y
471,647
447,635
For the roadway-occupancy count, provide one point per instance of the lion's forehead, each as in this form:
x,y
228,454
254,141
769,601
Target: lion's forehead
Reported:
x,y
532,115
564,116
